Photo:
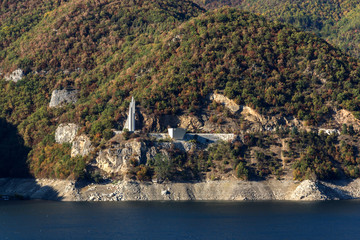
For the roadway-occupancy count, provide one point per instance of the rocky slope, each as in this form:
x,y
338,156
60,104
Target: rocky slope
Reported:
x,y
200,191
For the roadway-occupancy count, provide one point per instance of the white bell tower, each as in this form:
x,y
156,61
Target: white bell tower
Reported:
x,y
130,121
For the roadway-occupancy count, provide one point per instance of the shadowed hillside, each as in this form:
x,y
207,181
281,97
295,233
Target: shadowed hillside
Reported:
x,y
13,153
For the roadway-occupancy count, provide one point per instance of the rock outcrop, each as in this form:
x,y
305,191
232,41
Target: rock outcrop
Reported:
x,y
59,97
118,158
309,190
181,145
15,76
81,146
328,131
317,191
258,121
66,133
191,123
227,102
345,117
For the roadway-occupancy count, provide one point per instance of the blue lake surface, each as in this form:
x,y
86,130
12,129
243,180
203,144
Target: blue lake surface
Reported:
x,y
179,220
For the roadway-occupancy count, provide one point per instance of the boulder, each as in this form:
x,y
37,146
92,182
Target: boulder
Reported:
x,y
66,133
15,76
59,97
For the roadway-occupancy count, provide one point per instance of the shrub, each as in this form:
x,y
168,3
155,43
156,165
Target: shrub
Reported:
x,y
242,171
163,167
144,173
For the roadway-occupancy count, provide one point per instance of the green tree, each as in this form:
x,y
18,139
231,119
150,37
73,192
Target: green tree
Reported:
x,y
163,167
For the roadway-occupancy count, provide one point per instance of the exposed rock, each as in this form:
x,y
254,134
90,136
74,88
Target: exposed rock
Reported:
x,y
117,159
66,133
207,138
150,122
227,102
64,96
47,189
165,192
157,149
212,190
176,38
308,190
321,76
264,123
345,117
191,123
181,145
81,146
253,116
315,191
328,131
15,76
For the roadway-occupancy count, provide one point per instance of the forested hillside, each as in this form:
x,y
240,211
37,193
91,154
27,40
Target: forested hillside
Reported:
x,y
18,17
335,20
170,56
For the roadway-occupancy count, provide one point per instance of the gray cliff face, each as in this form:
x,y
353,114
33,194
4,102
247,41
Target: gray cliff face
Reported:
x,y
203,191
117,159
15,76
66,133
81,146
59,97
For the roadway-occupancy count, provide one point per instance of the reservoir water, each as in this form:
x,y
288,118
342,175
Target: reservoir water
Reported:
x,y
179,220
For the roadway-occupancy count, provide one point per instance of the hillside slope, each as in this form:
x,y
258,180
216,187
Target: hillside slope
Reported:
x,y
170,56
18,17
334,20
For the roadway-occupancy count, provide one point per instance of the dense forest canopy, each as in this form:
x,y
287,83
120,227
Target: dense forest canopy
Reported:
x,y
335,20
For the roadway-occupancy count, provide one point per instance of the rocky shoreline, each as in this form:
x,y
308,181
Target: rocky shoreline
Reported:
x,y
65,190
